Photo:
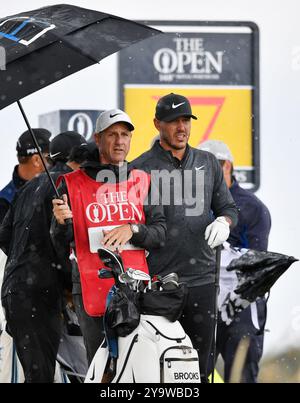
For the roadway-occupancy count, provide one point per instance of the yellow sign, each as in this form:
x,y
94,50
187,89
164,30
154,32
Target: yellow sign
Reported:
x,y
224,113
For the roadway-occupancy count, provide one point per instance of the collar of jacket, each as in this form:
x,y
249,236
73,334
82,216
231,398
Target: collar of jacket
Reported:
x,y
159,150
93,166
93,169
60,167
234,185
17,180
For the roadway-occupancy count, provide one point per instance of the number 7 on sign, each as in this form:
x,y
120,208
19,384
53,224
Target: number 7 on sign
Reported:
x,y
208,101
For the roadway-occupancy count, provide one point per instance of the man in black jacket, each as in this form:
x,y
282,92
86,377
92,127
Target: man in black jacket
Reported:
x,y
199,211
32,287
113,137
29,166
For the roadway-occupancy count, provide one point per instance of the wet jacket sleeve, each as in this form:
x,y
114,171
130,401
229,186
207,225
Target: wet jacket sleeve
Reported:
x,y
62,235
4,207
222,201
6,231
152,234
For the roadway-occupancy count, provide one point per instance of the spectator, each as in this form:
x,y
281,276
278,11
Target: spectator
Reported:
x,y
32,287
251,232
29,165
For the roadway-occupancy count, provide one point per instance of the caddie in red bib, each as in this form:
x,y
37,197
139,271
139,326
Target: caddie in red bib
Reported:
x,y
111,206
98,208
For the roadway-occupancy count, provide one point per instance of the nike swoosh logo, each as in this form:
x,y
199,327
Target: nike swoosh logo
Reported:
x,y
176,106
198,168
54,155
112,116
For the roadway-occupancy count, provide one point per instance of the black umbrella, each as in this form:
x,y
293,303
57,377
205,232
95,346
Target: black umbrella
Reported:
x,y
258,271
45,45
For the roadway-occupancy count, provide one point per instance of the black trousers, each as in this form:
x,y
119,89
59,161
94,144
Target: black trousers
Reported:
x,y
229,338
91,328
198,322
35,323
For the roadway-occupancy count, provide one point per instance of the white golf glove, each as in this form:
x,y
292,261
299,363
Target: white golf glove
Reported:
x,y
217,232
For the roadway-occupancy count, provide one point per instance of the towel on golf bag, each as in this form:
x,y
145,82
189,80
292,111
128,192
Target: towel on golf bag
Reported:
x,y
166,303
122,313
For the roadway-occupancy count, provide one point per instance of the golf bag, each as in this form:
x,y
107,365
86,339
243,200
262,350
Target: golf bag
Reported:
x,y
144,341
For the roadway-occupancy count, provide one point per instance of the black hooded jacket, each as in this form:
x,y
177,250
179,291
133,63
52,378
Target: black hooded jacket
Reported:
x,y
188,210
24,237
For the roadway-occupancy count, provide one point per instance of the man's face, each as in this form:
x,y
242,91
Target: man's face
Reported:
x,y
114,143
174,134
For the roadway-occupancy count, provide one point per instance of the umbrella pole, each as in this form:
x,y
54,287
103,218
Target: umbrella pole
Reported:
x,y
38,148
216,310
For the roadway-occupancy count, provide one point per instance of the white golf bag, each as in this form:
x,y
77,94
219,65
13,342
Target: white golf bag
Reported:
x,y
157,350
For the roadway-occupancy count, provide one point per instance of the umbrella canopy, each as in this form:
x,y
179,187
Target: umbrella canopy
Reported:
x,y
45,45
258,271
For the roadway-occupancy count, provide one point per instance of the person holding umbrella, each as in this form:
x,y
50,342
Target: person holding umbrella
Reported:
x,y
252,232
109,207
199,211
33,279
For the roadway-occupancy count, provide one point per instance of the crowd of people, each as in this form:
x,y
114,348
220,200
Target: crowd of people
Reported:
x,y
164,212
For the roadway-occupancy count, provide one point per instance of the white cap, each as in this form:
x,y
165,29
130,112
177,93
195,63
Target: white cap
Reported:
x,y
219,149
108,118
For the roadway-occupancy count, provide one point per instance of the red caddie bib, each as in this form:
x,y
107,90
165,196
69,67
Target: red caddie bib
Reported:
x,y
98,207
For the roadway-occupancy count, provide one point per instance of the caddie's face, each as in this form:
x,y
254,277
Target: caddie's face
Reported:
x,y
114,143
175,134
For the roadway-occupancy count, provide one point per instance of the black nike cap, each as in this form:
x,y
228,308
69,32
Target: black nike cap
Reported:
x,y
63,143
173,106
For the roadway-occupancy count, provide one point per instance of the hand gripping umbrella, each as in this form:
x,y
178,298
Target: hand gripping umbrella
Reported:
x,y
45,45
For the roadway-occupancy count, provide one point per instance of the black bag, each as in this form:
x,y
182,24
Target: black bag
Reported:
x,y
167,303
122,314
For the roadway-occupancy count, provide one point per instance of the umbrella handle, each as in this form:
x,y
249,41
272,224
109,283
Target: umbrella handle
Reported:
x,y
38,149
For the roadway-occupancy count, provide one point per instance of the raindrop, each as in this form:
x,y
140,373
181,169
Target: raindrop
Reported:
x,y
193,261
174,232
8,78
20,82
69,66
3,97
198,318
42,82
29,281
